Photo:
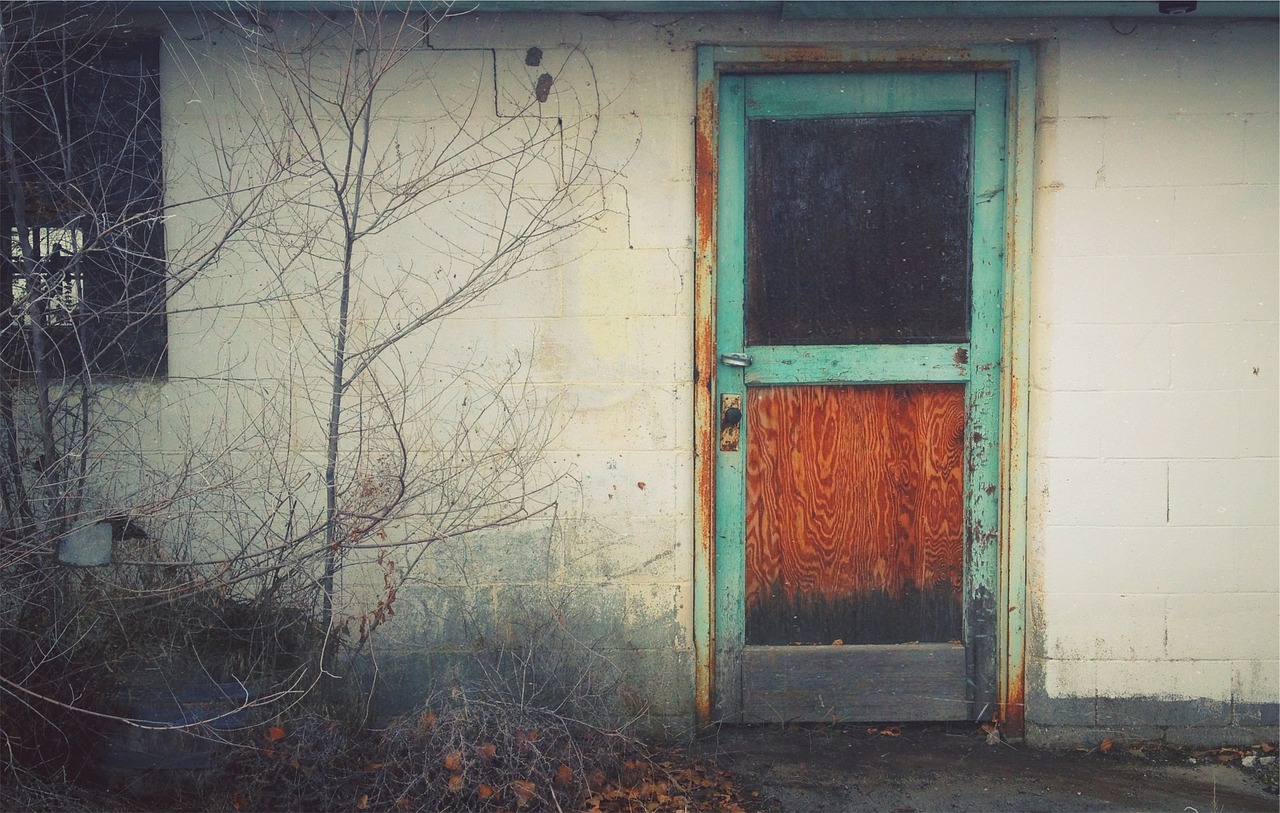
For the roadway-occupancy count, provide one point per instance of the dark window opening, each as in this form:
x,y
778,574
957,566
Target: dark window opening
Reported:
x,y
82,262
859,229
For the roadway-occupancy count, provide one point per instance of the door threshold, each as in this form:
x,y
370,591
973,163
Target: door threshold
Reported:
x,y
838,684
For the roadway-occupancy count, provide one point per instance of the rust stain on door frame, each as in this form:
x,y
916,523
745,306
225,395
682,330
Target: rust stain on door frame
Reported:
x,y
704,385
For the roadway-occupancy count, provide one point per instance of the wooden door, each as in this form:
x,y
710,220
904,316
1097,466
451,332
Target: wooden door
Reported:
x,y
861,229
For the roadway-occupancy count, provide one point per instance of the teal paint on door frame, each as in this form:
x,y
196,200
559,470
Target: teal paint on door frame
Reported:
x,y
991,76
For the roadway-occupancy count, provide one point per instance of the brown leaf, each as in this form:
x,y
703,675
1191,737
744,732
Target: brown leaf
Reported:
x,y
484,791
1267,747
524,790
453,761
596,780
238,802
838,642
455,783
1105,745
273,733
427,720
487,750
404,803
564,774
363,802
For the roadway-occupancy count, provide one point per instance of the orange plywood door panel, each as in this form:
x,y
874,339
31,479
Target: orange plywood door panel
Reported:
x,y
855,513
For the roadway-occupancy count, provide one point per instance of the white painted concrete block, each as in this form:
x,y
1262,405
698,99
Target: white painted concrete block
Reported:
x,y
1100,76
1160,289
1067,424
477,30
1227,219
639,282
1105,492
1069,153
659,215
631,549
619,416
1088,626
1161,560
683,411
539,291
1223,492
1221,356
1259,424
1171,424
1256,681
464,340
583,350
1103,358
665,343
648,82
1165,679
622,484
1262,148
1236,69
1260,293
1231,626
659,616
1220,69
1070,678
646,147
1175,151
1106,222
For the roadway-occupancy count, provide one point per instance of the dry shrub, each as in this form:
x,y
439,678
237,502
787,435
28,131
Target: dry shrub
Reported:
x,y
466,752
460,751
27,792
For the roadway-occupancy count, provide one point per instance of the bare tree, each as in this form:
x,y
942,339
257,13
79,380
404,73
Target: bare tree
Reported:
x,y
358,194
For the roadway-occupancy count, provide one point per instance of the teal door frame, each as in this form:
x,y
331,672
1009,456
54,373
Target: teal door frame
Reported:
x,y
994,76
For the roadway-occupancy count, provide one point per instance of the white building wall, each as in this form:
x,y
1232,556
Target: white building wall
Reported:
x,y
1153,439
1154,389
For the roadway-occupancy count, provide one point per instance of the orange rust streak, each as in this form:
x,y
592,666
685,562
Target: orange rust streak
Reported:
x,y
704,383
1013,716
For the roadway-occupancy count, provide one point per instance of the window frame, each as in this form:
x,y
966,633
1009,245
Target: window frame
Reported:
x,y
87,148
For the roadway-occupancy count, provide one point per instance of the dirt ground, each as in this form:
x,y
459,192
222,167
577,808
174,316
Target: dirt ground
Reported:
x,y
901,769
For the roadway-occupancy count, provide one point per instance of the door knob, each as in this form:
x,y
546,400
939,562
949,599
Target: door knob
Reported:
x,y
732,417
730,421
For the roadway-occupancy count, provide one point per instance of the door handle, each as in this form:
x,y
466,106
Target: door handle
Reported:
x,y
731,417
730,421
735,359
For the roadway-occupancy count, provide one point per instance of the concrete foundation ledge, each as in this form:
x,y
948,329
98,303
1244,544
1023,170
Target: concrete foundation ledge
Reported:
x,y
1074,721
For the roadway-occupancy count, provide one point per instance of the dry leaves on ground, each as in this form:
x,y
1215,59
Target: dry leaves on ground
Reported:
x,y
677,785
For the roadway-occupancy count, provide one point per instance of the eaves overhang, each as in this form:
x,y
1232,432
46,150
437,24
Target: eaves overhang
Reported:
x,y
785,9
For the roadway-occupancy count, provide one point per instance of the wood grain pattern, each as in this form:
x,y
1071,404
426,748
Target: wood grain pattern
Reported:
x,y
855,504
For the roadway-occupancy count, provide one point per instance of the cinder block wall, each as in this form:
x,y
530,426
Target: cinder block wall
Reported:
x,y
1154,539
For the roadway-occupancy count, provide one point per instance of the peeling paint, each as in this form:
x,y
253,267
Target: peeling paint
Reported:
x,y
704,384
